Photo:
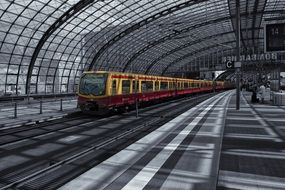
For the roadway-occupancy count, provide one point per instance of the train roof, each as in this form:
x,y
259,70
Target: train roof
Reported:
x,y
142,75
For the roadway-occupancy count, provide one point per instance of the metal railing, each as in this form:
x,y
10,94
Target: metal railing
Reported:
x,y
16,108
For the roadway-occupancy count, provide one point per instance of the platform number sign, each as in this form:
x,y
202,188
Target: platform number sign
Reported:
x,y
274,37
229,64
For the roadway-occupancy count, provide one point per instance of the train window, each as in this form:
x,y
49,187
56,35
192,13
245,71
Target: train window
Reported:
x,y
157,85
147,86
163,85
186,85
93,84
135,86
114,87
126,87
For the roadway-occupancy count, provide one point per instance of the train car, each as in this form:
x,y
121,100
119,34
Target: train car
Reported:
x,y
102,91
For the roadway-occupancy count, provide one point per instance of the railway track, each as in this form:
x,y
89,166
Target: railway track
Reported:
x,y
12,135
20,133
73,160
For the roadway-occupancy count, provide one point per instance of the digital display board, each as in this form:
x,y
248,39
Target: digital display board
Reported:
x,y
275,37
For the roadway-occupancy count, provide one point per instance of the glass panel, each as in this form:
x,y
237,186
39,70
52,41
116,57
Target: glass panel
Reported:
x,y
163,85
114,87
147,86
135,86
93,84
126,86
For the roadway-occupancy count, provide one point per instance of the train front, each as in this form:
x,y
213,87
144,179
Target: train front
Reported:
x,y
92,95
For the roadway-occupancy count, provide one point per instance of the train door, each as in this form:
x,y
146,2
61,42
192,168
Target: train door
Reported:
x,y
135,90
176,87
157,86
185,87
214,85
114,87
135,86
170,87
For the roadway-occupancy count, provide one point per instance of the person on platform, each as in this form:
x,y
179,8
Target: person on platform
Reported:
x,y
254,98
262,93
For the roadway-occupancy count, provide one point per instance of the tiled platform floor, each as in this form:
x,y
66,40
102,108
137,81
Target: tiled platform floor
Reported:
x,y
253,151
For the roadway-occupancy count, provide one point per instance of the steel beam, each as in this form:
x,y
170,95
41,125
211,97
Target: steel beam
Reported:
x,y
61,20
185,46
238,54
141,24
171,36
193,53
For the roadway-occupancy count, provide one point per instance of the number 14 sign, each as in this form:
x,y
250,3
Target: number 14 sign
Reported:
x,y
274,37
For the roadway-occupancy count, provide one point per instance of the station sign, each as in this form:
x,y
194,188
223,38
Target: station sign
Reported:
x,y
229,64
274,37
233,64
251,57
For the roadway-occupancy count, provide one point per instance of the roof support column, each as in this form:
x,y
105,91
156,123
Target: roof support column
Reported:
x,y
237,54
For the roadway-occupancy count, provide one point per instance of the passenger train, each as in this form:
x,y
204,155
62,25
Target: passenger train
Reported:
x,y
103,91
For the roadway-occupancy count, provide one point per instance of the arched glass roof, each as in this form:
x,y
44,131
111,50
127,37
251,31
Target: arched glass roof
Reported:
x,y
46,44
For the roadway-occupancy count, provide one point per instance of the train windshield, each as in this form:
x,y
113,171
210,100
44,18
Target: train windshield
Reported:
x,y
93,84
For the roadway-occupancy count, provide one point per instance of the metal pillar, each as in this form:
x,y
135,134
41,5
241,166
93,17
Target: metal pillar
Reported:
x,y
137,99
61,104
137,107
41,106
15,110
238,54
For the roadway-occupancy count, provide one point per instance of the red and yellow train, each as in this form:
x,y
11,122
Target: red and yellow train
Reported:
x,y
101,91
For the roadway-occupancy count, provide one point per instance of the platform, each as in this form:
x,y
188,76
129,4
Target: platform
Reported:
x,y
30,112
253,153
186,152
